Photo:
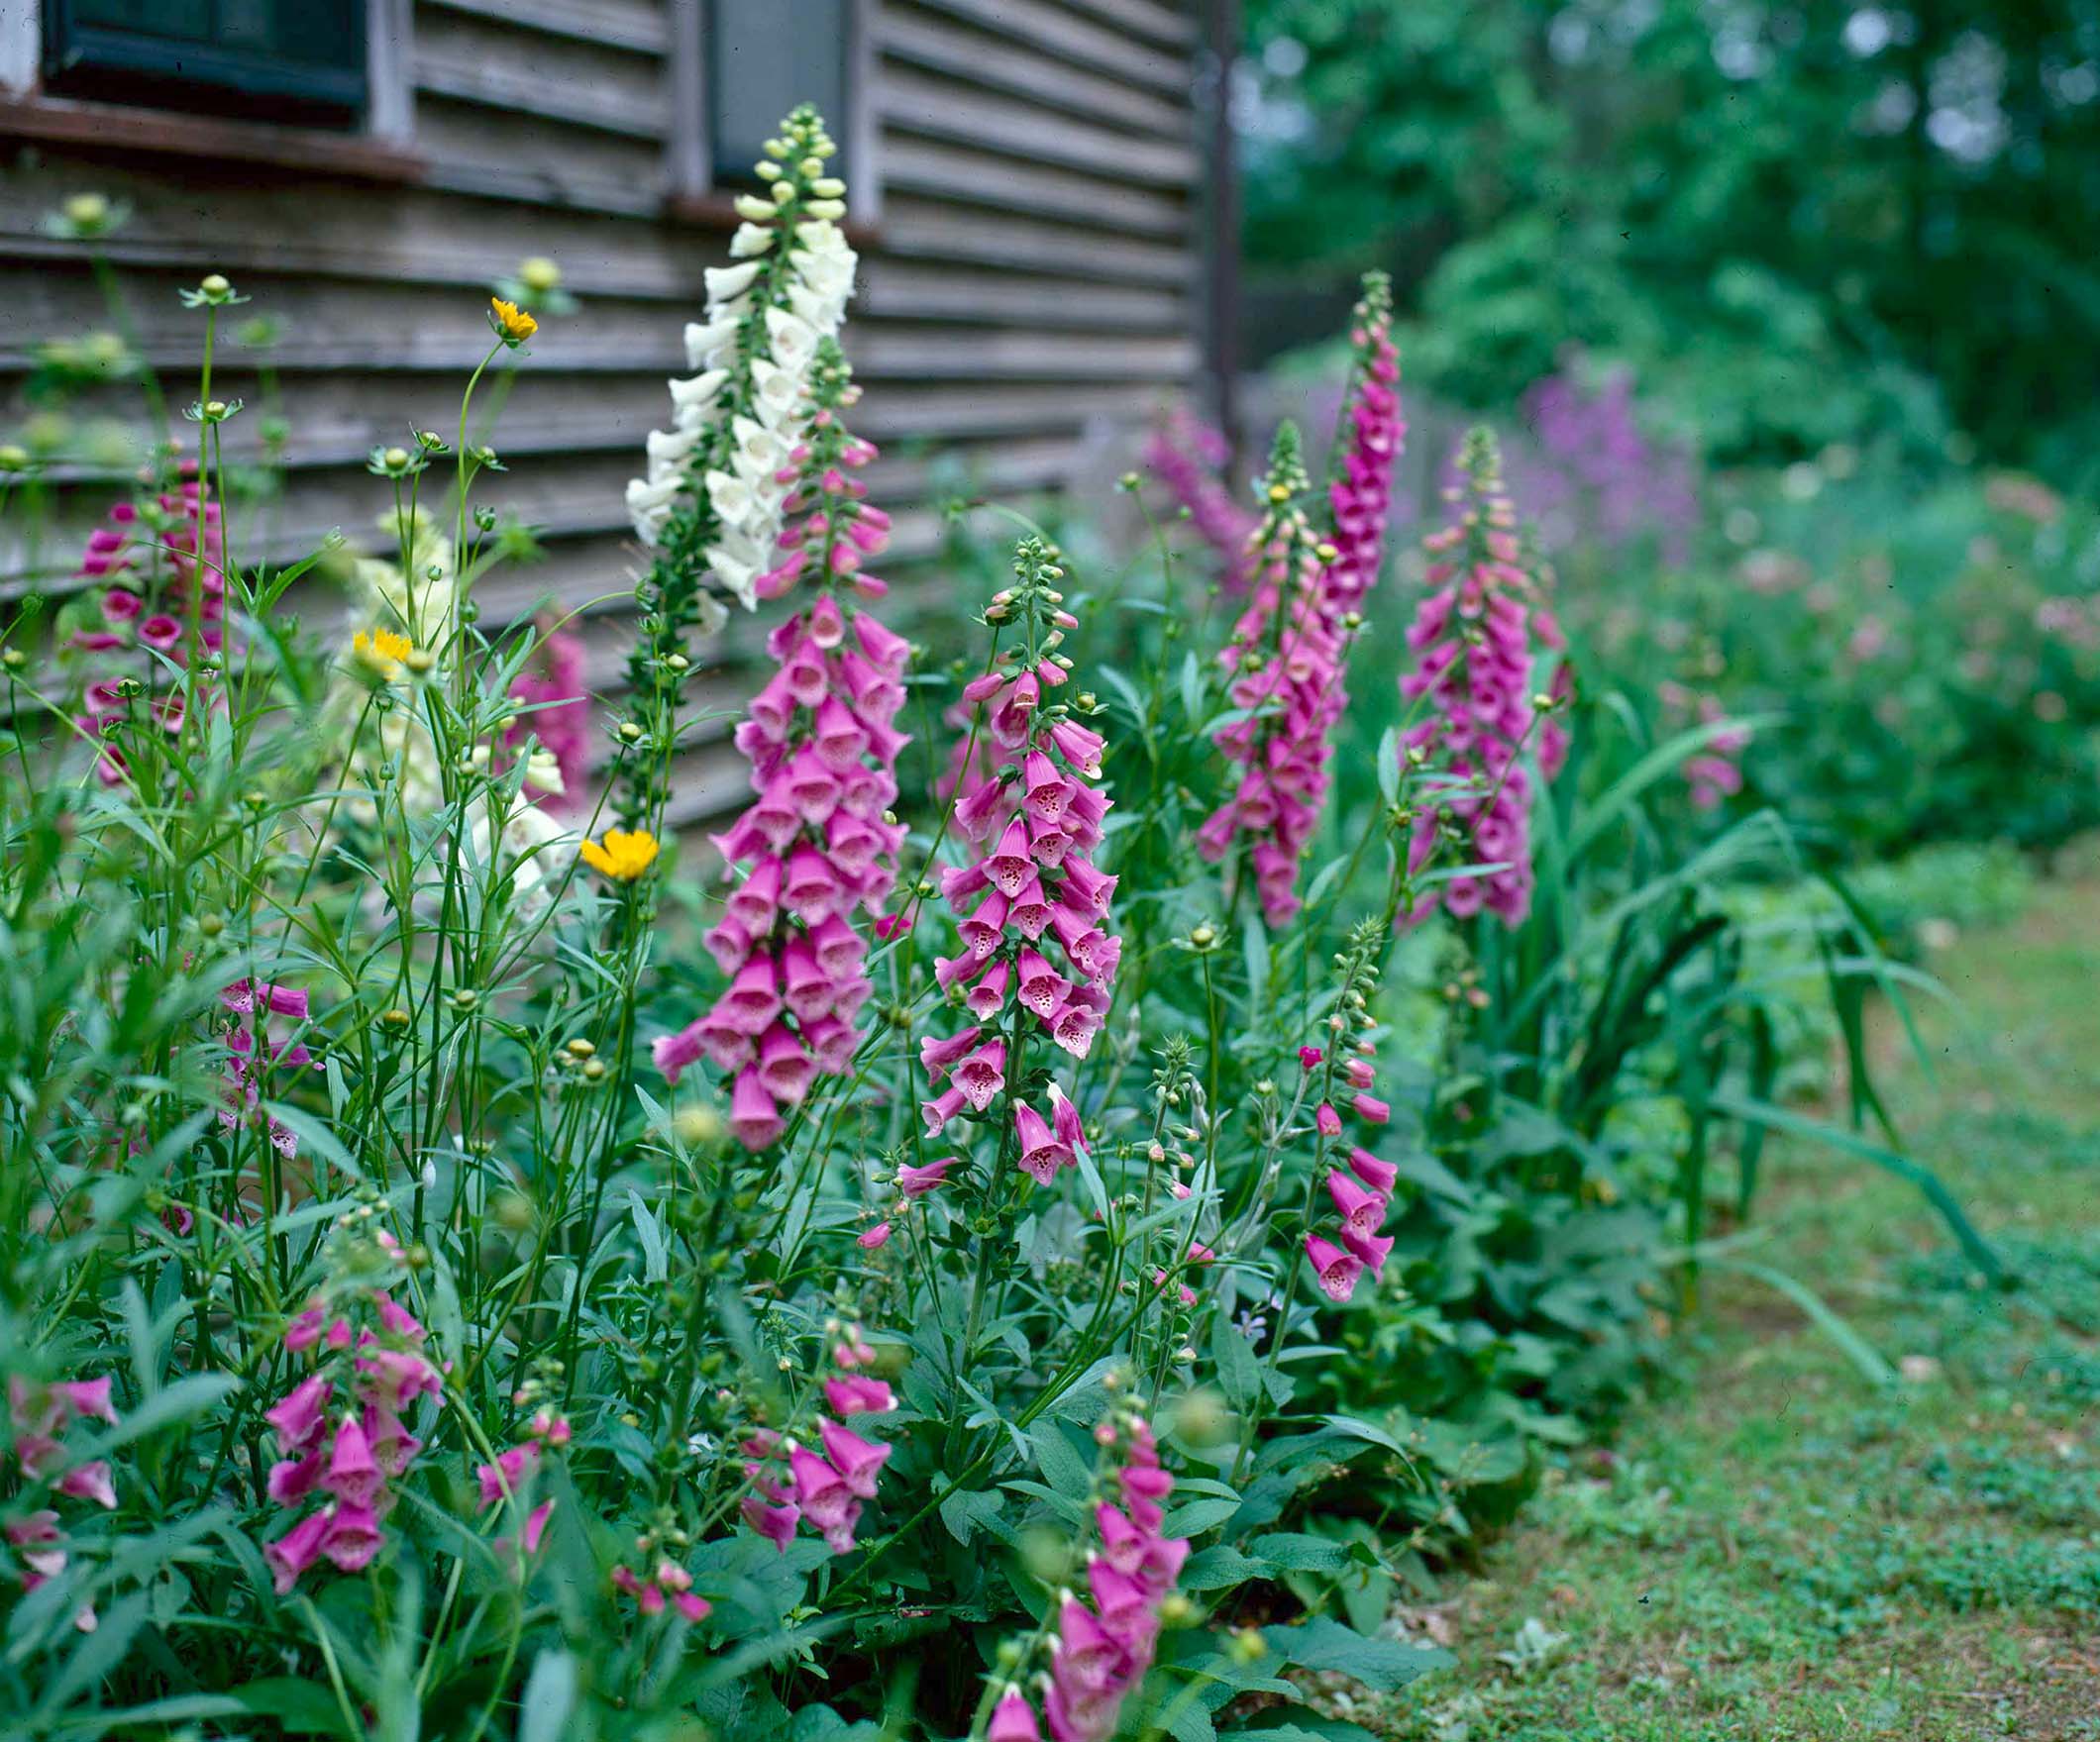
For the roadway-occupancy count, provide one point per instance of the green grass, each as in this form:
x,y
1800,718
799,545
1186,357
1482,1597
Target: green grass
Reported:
x,y
1775,1548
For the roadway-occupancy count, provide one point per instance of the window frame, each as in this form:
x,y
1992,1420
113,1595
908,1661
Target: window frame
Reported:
x,y
385,123
691,169
335,97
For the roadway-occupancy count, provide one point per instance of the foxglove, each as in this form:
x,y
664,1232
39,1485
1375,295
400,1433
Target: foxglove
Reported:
x,y
1288,649
1472,638
715,497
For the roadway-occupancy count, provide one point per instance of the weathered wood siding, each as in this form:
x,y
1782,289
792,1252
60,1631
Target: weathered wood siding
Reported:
x,y
1030,275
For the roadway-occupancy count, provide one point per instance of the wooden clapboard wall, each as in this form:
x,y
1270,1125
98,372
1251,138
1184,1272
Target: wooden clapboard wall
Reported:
x,y
1030,264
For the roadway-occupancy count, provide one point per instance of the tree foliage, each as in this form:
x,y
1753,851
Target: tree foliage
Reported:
x,y
1804,224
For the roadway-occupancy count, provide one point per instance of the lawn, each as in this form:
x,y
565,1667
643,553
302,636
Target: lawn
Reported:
x,y
1775,1549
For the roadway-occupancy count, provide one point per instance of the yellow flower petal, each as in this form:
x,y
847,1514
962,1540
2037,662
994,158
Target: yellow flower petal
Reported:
x,y
624,856
512,323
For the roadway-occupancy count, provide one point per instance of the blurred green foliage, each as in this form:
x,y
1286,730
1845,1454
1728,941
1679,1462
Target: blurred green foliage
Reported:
x,y
1803,224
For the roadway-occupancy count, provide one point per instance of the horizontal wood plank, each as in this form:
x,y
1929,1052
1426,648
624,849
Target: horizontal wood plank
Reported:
x,y
505,70
956,175
639,25
921,229
1052,28
187,218
978,296
1169,23
1001,63
936,108
886,353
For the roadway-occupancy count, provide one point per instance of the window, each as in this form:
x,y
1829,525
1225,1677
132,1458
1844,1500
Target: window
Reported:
x,y
763,57
300,60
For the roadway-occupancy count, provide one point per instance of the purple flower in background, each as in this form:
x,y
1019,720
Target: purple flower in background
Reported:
x,y
1188,457
552,685
1594,475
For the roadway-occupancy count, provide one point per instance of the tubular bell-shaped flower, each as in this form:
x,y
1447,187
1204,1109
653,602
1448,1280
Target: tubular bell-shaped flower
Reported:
x,y
715,497
251,1056
161,567
825,1485
1031,910
39,1416
341,1435
1105,1638
1359,1193
1472,638
1360,490
819,843
1288,649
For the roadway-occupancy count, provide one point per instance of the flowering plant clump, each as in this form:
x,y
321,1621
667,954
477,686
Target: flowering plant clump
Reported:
x,y
463,1275
820,843
1473,633
1021,796
1289,651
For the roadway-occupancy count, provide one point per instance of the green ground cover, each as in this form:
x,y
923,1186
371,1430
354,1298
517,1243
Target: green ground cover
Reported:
x,y
1777,1548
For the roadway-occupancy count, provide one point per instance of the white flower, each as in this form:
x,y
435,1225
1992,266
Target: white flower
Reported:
x,y
666,448
792,340
649,505
726,283
822,313
759,444
729,496
778,396
543,773
821,236
738,576
710,614
823,258
699,391
749,241
766,494
710,345
530,846
741,545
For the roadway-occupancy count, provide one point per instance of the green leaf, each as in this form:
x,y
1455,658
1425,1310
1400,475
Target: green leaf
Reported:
x,y
97,1655
187,1397
306,1708
653,1266
1927,1181
1255,942
965,1512
1382,1665
1855,1348
550,1696
1294,1552
1220,1567
1199,1517
1062,1467
1238,1371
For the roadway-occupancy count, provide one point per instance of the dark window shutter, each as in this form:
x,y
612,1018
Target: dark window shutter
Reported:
x,y
764,56
244,59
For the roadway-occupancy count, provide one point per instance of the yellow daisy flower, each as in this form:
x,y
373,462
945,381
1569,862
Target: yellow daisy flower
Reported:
x,y
624,856
382,651
512,323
